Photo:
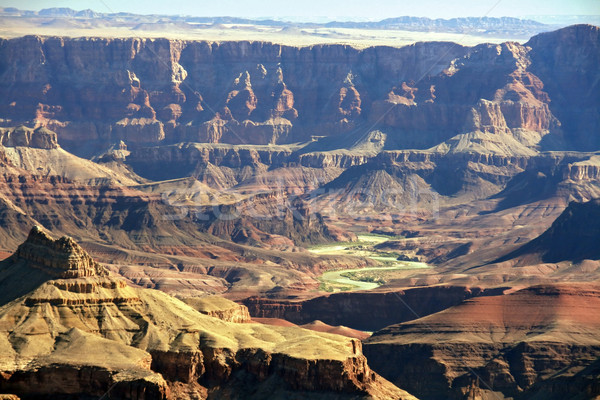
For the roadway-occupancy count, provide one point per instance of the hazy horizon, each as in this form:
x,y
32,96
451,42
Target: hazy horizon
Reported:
x,y
317,11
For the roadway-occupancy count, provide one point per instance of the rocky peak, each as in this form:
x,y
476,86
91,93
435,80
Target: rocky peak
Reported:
x,y
242,101
571,37
61,258
282,98
349,98
40,138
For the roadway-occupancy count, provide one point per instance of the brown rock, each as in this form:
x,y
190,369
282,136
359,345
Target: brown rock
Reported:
x,y
349,103
62,258
219,307
139,130
135,86
122,341
40,138
242,101
507,343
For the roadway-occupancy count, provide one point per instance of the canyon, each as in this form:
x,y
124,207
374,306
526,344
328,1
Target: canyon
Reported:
x,y
512,345
189,181
146,344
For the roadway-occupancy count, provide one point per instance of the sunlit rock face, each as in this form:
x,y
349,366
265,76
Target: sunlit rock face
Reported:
x,y
77,324
150,91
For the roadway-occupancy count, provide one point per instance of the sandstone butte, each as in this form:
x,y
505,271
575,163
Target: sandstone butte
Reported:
x,y
80,331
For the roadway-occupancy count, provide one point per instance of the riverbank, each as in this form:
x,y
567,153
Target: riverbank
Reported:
x,y
362,278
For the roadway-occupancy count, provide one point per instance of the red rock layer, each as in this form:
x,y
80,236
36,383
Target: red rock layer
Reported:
x,y
147,91
510,343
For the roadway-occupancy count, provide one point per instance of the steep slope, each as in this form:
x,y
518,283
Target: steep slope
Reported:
x,y
37,151
574,236
158,342
361,191
166,91
506,344
565,60
233,92
41,258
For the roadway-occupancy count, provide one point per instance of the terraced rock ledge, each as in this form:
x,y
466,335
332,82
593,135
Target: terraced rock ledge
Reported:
x,y
79,332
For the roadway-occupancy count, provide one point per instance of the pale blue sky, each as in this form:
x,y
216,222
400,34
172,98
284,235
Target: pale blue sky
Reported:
x,y
338,9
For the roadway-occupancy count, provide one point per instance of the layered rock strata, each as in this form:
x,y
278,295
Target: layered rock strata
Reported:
x,y
103,336
507,345
158,90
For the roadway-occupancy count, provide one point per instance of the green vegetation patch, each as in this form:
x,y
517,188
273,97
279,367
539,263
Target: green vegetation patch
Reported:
x,y
365,276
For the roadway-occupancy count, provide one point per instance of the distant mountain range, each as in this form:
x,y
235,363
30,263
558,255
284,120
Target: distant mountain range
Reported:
x,y
483,25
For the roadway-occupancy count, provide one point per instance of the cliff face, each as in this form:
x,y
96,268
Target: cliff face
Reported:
x,y
365,311
150,91
89,381
39,138
570,238
564,60
140,343
511,344
219,307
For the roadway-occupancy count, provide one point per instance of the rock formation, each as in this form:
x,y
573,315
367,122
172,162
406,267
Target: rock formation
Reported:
x,y
219,307
168,233
570,238
141,343
360,109
268,98
366,311
40,138
506,345
557,59
212,164
62,258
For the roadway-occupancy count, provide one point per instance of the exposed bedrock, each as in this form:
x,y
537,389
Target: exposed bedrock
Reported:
x,y
569,75
142,344
77,382
62,258
219,307
40,138
459,370
571,237
518,345
94,91
148,90
365,310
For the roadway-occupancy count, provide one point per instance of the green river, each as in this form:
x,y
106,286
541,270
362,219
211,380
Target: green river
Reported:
x,y
362,248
